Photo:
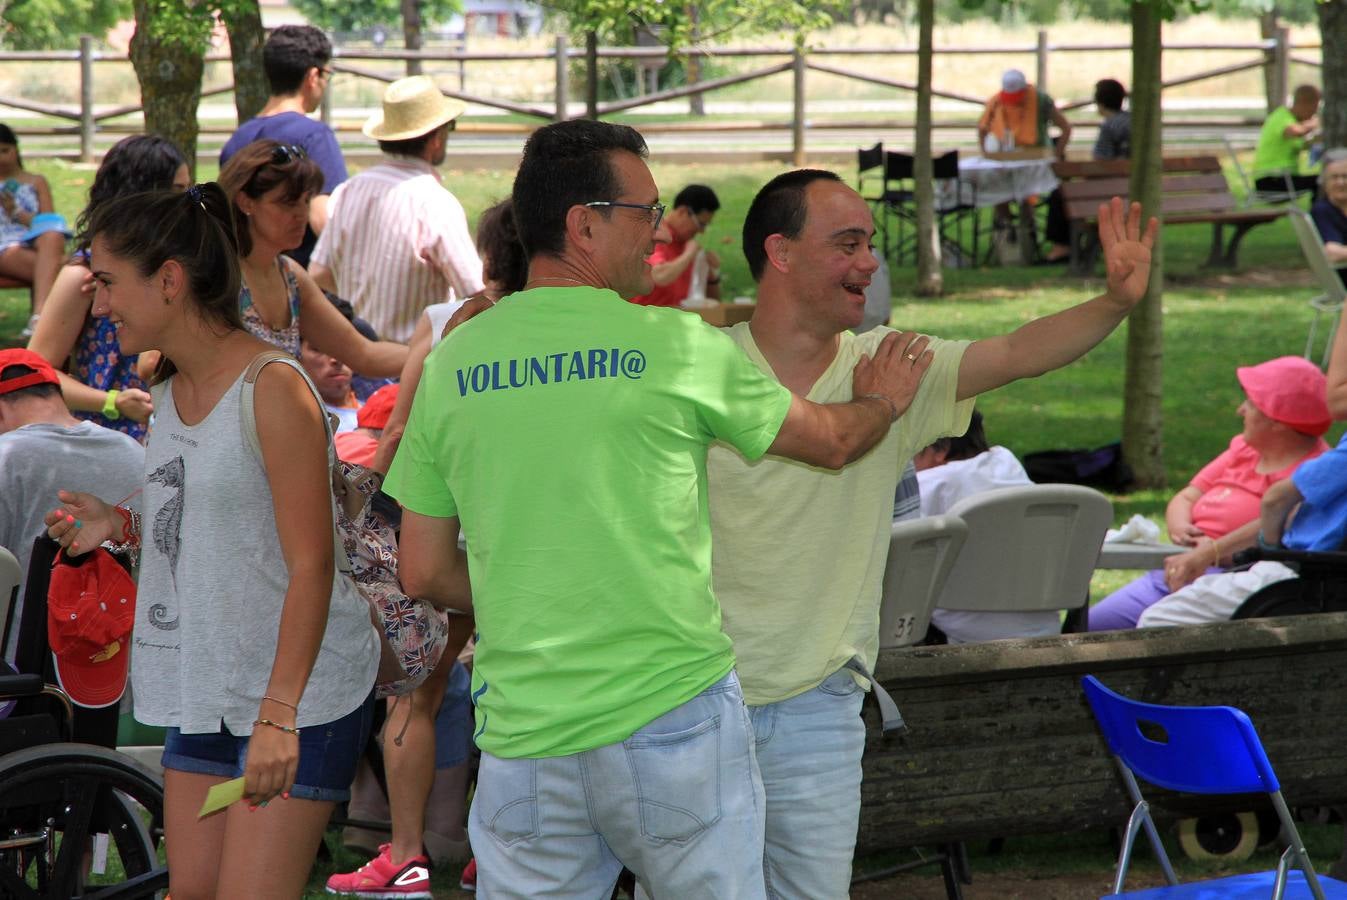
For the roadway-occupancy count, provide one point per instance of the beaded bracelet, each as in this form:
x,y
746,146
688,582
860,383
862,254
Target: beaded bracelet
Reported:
x,y
286,728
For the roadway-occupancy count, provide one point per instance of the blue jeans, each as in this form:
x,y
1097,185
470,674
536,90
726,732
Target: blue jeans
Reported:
x,y
809,752
679,803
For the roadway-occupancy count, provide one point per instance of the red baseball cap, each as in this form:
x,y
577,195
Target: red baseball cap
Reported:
x,y
377,409
91,608
1290,390
42,372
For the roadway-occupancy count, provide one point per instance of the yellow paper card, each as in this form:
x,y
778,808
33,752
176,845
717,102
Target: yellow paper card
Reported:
x,y
220,796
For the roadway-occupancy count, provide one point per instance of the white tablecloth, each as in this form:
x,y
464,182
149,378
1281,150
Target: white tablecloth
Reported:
x,y
997,181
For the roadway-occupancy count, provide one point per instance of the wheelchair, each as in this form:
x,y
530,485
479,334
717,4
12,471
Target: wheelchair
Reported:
x,y
77,820
1320,587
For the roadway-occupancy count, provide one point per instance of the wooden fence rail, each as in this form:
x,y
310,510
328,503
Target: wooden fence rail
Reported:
x,y
1274,54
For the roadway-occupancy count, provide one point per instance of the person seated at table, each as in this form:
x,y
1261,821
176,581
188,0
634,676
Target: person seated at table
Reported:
x,y
1307,511
672,264
1115,131
1017,117
1276,158
1285,415
1114,142
948,471
1329,210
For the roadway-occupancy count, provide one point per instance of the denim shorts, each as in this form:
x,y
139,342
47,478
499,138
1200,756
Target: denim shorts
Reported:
x,y
328,754
453,723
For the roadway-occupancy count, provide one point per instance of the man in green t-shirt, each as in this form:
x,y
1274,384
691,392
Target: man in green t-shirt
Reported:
x,y
566,434
800,551
1276,159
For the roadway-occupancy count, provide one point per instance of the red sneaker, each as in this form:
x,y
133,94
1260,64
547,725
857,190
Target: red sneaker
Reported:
x,y
382,879
468,881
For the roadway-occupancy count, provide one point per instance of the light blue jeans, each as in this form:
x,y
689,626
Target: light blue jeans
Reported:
x,y
680,803
809,752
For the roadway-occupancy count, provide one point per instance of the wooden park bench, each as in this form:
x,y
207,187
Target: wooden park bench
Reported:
x,y
1193,189
1001,742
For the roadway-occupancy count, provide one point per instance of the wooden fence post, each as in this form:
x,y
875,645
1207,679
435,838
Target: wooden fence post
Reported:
x,y
1279,60
797,125
87,124
1041,59
563,61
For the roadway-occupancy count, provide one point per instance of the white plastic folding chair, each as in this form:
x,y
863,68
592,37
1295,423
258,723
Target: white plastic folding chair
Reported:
x,y
921,554
1029,549
1330,282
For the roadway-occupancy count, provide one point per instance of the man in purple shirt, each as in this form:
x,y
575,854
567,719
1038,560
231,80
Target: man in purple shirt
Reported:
x,y
296,59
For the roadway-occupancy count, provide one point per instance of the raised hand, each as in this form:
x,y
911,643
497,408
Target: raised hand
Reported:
x,y
1127,252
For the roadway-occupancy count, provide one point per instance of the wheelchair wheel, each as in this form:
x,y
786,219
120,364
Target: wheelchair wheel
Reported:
x,y
1226,836
1281,598
56,801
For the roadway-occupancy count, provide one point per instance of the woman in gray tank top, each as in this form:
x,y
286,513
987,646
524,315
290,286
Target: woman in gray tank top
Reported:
x,y
248,645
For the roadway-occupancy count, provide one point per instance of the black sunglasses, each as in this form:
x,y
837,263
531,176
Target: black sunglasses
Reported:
x,y
284,153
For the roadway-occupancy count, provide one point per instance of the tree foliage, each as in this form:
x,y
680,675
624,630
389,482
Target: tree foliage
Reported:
x,y
357,15
616,20
57,24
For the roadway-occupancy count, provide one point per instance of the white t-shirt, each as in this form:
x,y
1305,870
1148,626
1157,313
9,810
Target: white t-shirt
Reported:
x,y
942,487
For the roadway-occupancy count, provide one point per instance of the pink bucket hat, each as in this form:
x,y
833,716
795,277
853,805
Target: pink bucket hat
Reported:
x,y
1290,390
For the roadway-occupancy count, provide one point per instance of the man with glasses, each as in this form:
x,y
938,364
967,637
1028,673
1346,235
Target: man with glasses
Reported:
x,y
397,240
565,431
296,60
672,264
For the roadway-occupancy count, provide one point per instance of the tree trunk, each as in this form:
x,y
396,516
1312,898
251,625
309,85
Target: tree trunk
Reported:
x,y
696,103
170,85
1333,34
1143,419
930,275
591,74
411,32
246,37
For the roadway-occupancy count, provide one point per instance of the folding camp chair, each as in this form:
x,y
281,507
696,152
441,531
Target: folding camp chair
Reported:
x,y
1201,750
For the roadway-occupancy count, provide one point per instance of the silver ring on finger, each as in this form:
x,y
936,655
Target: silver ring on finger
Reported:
x,y
912,357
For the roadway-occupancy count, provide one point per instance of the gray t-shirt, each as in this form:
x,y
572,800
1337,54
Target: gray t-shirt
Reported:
x,y
213,581
38,460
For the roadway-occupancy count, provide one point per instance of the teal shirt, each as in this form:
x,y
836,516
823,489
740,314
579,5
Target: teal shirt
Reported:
x,y
568,429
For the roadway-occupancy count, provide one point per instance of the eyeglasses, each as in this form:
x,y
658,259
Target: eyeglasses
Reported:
x,y
655,211
284,153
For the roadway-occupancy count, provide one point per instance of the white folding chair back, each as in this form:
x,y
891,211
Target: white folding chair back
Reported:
x,y
1029,548
1330,282
10,575
921,555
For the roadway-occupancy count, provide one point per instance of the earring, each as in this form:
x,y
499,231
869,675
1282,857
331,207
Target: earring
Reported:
x,y
167,301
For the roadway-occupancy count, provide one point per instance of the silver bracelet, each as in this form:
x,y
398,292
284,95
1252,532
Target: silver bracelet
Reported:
x,y
893,407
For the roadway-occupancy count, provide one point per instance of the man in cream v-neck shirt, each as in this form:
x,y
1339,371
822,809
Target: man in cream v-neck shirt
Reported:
x,y
799,551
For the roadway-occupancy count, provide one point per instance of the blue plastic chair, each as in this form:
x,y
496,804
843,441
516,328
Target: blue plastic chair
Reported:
x,y
1201,750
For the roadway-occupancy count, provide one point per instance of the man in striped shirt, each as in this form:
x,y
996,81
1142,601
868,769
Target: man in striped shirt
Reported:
x,y
396,240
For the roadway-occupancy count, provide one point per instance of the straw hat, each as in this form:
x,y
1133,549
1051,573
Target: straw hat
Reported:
x,y
412,107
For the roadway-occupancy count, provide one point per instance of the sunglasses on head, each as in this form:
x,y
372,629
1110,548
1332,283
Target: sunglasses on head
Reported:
x,y
284,153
